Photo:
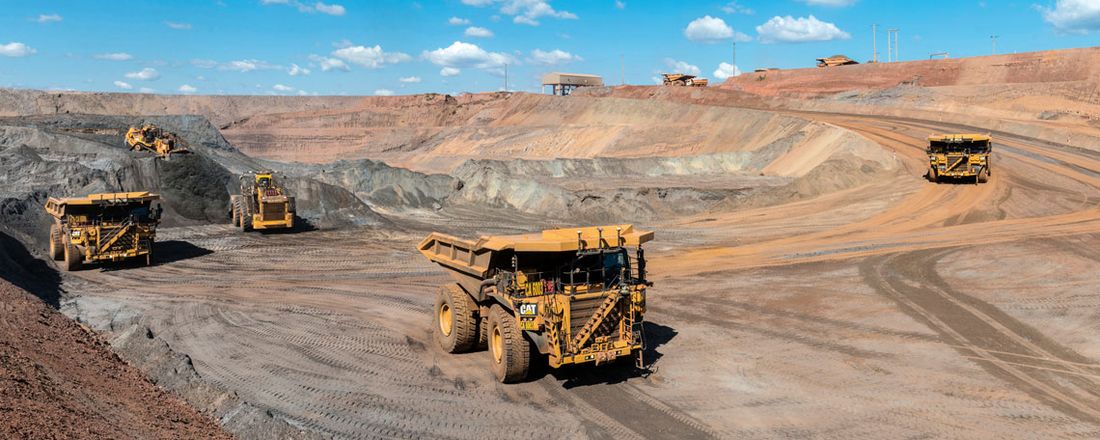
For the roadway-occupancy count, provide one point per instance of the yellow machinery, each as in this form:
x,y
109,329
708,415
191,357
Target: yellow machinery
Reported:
x,y
154,139
103,227
262,204
575,295
959,156
680,79
835,60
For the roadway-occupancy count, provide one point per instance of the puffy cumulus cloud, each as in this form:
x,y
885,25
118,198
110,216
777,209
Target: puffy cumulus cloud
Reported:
x,y
830,3
455,21
737,8
1073,16
409,79
369,57
116,56
123,85
797,30
726,70
709,29
248,65
449,71
282,88
480,32
309,8
333,9
16,49
383,92
460,54
178,26
146,74
620,4
295,70
328,64
524,11
682,67
553,57
48,18
187,88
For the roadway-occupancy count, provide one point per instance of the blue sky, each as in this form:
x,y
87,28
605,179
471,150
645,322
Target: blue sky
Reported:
x,y
338,47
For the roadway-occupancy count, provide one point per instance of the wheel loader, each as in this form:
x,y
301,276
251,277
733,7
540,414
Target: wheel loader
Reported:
x,y
577,296
151,138
263,204
959,156
106,227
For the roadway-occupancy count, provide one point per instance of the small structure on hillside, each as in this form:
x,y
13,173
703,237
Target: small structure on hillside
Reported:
x,y
565,83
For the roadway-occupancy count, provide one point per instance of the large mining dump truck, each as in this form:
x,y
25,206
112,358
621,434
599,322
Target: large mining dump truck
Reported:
x,y
576,295
680,79
103,227
151,138
263,204
959,156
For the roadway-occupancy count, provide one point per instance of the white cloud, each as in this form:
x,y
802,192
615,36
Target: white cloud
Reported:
x,y
16,49
1073,16
737,8
709,29
409,79
553,57
796,30
117,56
383,92
460,54
480,32
449,71
524,11
682,67
726,70
370,57
248,65
455,21
298,71
187,88
620,4
146,74
333,9
48,18
830,3
178,26
282,88
123,85
328,64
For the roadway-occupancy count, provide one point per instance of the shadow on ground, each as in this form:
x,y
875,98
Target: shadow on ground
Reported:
x,y
19,267
618,371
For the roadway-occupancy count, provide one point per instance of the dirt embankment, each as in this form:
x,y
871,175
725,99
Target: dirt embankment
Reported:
x,y
59,380
1031,67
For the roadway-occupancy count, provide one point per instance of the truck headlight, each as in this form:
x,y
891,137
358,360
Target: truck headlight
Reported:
x,y
75,234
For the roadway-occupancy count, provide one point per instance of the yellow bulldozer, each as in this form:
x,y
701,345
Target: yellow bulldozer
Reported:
x,y
577,296
103,227
680,79
154,139
959,156
263,203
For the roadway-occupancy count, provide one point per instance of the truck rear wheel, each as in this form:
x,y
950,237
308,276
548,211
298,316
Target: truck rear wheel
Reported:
x,y
234,213
455,327
244,217
73,258
983,176
509,350
57,248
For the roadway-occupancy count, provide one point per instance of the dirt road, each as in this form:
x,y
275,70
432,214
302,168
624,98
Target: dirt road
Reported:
x,y
899,308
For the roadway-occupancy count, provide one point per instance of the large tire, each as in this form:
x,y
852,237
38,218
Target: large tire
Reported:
x,y
57,247
245,215
983,176
455,327
932,175
73,258
509,350
482,333
234,213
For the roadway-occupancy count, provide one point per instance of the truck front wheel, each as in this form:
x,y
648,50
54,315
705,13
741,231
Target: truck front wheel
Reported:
x,y
57,247
509,350
455,326
73,258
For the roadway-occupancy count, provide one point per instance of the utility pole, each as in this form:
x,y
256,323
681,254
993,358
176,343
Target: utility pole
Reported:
x,y
734,58
994,39
892,44
874,43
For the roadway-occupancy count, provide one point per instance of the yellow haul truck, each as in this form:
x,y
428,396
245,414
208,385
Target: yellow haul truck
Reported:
x,y
262,204
575,295
959,156
103,227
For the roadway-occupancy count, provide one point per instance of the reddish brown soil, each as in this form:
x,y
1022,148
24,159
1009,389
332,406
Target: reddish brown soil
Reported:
x,y
58,380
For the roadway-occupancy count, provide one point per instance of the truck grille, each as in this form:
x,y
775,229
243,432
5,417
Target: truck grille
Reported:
x,y
273,211
581,311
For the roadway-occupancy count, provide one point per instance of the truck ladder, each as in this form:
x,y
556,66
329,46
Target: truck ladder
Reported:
x,y
112,238
593,322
